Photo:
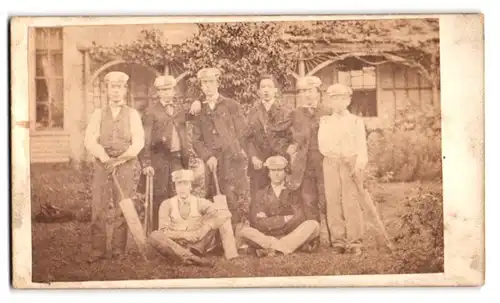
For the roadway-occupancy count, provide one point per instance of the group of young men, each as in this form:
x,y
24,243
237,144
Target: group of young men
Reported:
x,y
287,156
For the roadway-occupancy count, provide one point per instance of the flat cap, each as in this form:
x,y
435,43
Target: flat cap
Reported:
x,y
276,162
208,73
165,82
116,77
339,89
308,82
182,175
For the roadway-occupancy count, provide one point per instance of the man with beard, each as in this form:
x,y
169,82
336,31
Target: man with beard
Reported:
x,y
220,138
114,136
263,113
166,146
297,136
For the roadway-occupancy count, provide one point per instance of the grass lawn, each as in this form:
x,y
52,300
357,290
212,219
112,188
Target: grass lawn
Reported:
x,y
59,249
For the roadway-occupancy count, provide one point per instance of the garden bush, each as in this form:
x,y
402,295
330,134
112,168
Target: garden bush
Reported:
x,y
420,240
411,150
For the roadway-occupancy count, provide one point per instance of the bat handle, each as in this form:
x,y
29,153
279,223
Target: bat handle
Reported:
x,y
216,180
115,179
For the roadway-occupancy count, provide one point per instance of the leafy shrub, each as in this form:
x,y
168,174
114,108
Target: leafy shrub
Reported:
x,y
420,241
412,150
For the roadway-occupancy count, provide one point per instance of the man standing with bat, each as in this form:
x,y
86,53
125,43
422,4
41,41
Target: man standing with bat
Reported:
x,y
220,138
114,136
166,146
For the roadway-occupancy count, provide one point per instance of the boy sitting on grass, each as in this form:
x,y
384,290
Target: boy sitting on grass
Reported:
x,y
188,224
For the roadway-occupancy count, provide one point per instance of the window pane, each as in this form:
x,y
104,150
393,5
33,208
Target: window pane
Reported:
x,y
57,115
369,78
364,103
42,93
41,38
40,57
42,116
56,38
57,64
357,81
344,78
56,90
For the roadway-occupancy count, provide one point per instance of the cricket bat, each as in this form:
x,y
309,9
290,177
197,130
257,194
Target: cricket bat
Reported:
x,y
226,230
369,205
132,218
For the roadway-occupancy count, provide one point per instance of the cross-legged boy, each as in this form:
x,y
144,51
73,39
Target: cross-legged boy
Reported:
x,y
188,224
278,223
342,141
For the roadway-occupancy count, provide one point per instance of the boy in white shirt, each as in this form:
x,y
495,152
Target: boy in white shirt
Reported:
x,y
342,141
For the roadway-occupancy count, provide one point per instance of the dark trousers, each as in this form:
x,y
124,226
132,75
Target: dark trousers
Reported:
x,y
106,212
163,164
312,187
233,183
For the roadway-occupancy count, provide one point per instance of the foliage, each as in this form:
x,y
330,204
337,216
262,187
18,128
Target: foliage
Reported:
x,y
150,49
242,51
420,240
412,150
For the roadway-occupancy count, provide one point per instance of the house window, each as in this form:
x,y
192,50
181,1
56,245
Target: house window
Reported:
x,y
364,85
49,88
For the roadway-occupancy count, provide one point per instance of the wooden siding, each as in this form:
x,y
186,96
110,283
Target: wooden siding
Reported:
x,y
49,148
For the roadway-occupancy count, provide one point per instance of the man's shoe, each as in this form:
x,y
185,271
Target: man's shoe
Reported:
x,y
200,261
95,258
339,250
355,251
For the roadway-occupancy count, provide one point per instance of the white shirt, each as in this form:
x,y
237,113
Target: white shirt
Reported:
x,y
213,101
277,189
343,135
268,104
93,132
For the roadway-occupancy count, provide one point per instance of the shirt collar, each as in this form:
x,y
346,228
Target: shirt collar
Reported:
x,y
267,104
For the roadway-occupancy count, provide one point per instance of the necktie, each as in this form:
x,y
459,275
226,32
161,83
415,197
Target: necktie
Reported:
x,y
185,209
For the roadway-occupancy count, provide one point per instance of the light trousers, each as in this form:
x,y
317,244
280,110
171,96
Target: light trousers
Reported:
x,y
304,233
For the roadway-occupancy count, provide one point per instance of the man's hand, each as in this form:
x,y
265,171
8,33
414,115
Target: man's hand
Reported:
x,y
288,218
212,163
291,150
201,232
257,163
148,171
261,215
195,108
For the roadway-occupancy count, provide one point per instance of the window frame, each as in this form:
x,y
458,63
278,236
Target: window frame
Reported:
x,y
49,52
363,87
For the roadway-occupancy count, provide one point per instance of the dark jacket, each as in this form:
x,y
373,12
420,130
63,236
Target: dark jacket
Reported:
x,y
276,209
222,129
297,127
158,132
258,123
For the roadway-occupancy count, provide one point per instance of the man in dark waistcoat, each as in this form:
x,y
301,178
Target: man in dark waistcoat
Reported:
x,y
166,147
114,136
220,139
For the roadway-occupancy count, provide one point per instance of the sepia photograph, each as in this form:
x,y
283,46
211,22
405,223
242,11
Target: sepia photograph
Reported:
x,y
237,148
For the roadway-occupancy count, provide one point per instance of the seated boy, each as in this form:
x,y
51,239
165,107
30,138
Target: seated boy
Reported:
x,y
188,224
277,219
